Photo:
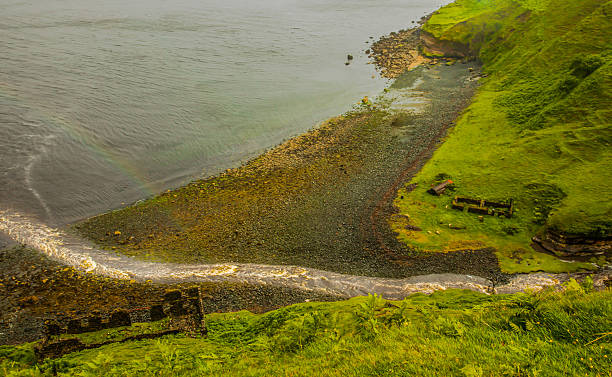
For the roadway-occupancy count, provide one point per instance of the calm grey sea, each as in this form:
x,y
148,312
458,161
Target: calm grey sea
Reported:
x,y
107,102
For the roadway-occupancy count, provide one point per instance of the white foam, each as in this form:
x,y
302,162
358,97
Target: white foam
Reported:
x,y
75,252
32,160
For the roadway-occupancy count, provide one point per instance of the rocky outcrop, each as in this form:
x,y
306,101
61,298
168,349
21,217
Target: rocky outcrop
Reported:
x,y
573,245
433,46
404,50
396,53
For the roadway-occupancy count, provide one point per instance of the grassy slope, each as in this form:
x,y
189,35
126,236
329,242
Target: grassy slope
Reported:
x,y
538,131
458,333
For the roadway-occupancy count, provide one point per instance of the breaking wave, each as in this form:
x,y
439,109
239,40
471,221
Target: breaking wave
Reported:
x,y
73,251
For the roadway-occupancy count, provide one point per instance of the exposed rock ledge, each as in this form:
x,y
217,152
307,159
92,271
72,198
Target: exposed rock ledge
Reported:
x,y
441,47
567,245
404,50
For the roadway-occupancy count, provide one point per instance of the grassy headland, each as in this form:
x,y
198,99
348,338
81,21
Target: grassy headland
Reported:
x,y
450,333
538,131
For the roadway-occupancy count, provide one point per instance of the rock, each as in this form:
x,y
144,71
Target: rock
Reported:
x,y
119,318
57,349
413,228
172,295
573,245
52,328
157,312
26,301
74,326
349,57
94,323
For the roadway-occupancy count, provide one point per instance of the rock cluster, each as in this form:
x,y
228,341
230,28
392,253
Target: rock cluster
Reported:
x,y
568,245
396,53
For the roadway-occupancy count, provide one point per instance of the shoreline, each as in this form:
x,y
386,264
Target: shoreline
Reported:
x,y
265,268
306,153
309,201
365,152
121,283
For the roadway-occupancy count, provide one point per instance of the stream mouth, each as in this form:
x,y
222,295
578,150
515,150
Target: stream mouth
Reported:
x,y
72,251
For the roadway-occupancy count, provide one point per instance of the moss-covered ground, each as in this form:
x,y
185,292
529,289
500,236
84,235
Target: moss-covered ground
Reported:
x,y
450,333
539,131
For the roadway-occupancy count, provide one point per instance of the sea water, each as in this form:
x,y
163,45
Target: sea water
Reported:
x,y
103,103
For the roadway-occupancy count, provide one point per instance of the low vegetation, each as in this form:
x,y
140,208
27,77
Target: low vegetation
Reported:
x,y
538,131
459,333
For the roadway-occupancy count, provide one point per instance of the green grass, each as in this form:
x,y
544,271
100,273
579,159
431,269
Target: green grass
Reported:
x,y
538,131
446,20
450,333
117,333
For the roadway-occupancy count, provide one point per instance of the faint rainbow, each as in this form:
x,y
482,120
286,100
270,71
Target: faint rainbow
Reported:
x,y
123,166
